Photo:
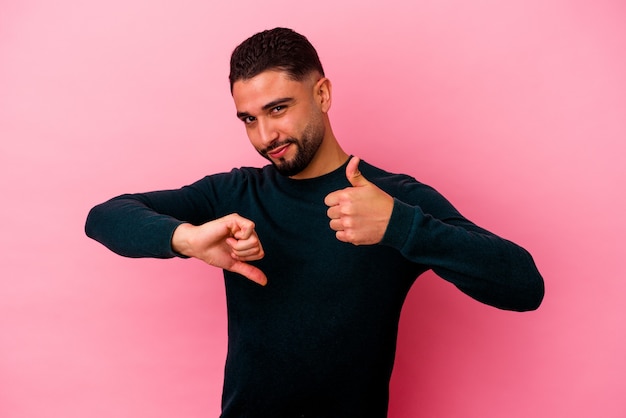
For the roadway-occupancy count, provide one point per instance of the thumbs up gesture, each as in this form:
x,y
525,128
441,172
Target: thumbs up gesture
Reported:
x,y
359,214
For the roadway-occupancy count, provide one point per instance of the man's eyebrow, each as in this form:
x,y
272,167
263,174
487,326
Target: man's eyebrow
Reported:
x,y
242,115
277,102
273,103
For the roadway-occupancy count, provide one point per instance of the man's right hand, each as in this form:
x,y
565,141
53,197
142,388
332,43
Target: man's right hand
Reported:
x,y
227,243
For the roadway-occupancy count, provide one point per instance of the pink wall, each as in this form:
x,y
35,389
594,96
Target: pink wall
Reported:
x,y
515,110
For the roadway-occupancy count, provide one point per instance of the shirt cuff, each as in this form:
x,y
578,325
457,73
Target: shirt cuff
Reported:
x,y
400,225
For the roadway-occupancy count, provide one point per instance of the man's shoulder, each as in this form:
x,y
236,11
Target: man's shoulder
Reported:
x,y
239,174
397,184
380,175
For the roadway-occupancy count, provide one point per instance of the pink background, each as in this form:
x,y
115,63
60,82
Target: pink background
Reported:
x,y
516,111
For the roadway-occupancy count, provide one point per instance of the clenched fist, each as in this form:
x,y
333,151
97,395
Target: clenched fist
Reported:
x,y
228,243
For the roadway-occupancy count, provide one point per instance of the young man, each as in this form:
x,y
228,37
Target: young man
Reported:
x,y
330,246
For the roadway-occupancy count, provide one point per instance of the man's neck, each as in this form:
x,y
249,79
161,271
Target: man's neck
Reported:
x,y
329,157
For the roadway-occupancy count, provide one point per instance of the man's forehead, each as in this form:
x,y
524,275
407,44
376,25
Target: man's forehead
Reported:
x,y
268,78
264,88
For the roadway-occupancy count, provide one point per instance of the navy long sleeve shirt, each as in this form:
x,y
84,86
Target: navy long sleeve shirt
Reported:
x,y
319,340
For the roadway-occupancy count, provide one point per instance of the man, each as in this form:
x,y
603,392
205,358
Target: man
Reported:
x,y
328,246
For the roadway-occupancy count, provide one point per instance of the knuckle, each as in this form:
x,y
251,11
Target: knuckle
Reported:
x,y
347,210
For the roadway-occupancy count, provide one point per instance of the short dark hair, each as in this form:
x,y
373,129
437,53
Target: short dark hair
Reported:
x,y
274,49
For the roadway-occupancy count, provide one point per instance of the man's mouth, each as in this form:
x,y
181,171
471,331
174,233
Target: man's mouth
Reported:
x,y
279,151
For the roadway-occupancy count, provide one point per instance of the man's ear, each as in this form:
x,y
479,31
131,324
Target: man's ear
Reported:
x,y
323,93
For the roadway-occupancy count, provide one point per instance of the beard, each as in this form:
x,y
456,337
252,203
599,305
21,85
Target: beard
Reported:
x,y
306,148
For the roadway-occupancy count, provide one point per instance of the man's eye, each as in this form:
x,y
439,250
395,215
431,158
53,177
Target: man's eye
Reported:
x,y
248,119
278,109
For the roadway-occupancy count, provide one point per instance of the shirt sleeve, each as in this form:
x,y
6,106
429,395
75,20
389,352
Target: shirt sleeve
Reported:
x,y
428,230
142,224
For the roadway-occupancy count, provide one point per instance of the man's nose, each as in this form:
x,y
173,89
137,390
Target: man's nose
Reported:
x,y
267,132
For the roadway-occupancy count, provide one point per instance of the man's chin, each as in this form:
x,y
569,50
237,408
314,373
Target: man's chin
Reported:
x,y
286,169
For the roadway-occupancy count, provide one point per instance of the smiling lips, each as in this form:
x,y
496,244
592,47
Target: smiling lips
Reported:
x,y
280,151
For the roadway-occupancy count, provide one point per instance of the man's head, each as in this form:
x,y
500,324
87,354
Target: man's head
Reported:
x,y
275,49
283,98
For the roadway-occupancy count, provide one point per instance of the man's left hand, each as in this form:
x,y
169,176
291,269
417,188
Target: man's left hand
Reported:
x,y
359,214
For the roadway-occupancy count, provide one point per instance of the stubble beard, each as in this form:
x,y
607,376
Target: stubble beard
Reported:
x,y
306,148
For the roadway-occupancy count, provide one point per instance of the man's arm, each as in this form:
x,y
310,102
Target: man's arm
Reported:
x,y
486,267
158,224
137,225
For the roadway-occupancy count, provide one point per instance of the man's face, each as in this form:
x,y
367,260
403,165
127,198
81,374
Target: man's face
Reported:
x,y
283,121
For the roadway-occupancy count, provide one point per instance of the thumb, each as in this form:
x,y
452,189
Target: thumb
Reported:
x,y
353,174
250,272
